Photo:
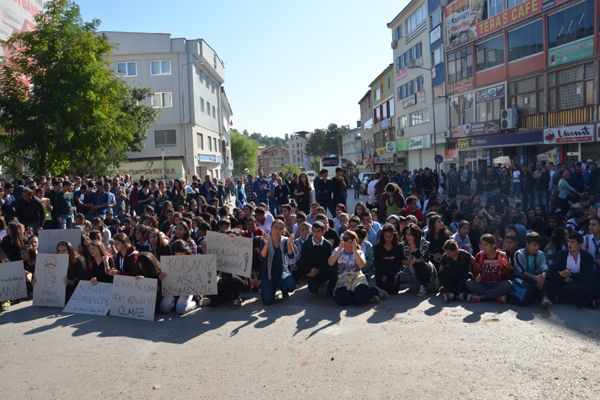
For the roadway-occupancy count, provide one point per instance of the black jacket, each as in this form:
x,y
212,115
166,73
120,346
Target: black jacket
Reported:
x,y
313,256
587,271
30,212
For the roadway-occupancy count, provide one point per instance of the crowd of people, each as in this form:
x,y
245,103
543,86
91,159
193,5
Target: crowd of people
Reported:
x,y
531,232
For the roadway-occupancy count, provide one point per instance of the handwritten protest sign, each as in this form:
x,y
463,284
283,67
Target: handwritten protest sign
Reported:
x,y
189,275
133,298
49,289
234,253
90,299
49,238
12,281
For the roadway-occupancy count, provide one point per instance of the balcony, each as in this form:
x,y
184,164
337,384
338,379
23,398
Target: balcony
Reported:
x,y
384,124
574,116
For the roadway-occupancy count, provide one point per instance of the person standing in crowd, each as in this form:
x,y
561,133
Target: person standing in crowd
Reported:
x,y
323,189
281,195
261,188
339,190
249,189
356,184
29,210
564,191
455,271
371,191
492,273
302,193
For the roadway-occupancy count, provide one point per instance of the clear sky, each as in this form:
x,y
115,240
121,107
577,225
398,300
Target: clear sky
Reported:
x,y
289,65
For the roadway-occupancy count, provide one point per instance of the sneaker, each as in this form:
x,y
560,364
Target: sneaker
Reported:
x,y
285,295
501,299
236,303
382,294
473,298
546,303
5,305
422,291
446,297
205,302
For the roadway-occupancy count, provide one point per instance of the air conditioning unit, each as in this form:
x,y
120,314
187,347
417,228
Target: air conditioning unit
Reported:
x,y
394,44
509,119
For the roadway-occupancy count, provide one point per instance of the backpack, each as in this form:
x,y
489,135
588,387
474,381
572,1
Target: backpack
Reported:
x,y
522,293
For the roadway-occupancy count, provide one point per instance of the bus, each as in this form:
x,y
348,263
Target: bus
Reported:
x,y
332,162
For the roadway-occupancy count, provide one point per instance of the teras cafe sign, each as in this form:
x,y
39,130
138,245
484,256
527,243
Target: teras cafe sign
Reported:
x,y
569,134
508,17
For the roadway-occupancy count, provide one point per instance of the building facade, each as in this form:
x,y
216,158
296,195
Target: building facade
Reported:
x,y
186,77
366,123
419,92
273,159
352,146
523,80
18,16
297,150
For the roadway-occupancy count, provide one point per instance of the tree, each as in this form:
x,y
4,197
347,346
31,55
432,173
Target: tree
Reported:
x,y
325,142
290,170
243,153
60,106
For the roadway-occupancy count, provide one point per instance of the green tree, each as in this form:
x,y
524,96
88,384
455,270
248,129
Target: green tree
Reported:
x,y
324,142
243,153
62,109
290,170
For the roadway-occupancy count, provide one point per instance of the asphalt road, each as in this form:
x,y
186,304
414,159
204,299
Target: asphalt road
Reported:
x,y
305,347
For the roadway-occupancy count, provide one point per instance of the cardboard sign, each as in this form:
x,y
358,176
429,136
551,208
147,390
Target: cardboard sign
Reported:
x,y
49,239
133,298
189,275
90,299
49,289
12,281
234,253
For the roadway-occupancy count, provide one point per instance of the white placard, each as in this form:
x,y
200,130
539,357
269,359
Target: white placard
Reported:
x,y
12,281
49,239
234,253
133,298
189,275
90,299
49,289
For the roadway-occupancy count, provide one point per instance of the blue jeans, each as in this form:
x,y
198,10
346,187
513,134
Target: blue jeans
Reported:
x,y
269,287
541,198
516,186
66,222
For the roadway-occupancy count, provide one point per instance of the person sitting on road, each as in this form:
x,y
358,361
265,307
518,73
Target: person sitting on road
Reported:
x,y
415,257
491,271
530,264
276,252
387,260
455,271
313,261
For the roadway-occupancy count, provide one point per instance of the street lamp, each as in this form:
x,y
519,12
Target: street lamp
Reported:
x,y
437,166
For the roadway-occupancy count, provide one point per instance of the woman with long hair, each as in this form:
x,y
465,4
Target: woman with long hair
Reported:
x,y
302,193
125,256
181,231
13,242
276,254
360,209
185,303
147,266
178,194
387,259
391,202
352,286
437,235
99,264
415,255
159,246
76,270
28,255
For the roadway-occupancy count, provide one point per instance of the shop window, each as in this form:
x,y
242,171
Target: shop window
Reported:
x,y
490,53
571,24
525,41
571,88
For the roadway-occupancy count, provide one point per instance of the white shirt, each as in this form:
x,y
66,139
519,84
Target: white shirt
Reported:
x,y
516,176
590,244
315,243
573,265
266,226
371,190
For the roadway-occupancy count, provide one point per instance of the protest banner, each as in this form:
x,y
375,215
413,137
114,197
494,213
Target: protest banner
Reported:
x,y
234,253
90,299
12,281
133,298
189,275
49,289
49,239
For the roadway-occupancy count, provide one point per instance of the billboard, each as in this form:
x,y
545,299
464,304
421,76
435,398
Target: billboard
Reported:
x,y
462,17
17,16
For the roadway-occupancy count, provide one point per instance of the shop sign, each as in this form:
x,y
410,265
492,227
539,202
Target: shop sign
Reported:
x,y
420,142
403,145
582,48
461,19
508,17
461,131
152,169
569,134
380,150
485,128
463,86
513,139
211,158
462,145
384,159
450,154
390,147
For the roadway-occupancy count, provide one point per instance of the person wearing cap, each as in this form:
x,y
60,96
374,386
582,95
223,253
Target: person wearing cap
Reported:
x,y
564,190
313,260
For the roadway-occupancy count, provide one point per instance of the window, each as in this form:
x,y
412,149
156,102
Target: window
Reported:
x,y
437,56
160,67
527,95
525,41
201,104
215,144
461,110
460,65
209,143
418,117
495,7
165,138
571,24
208,107
488,103
403,121
162,100
214,113
398,32
490,53
406,59
411,87
513,3
377,94
207,83
436,17
201,141
416,20
126,68
571,88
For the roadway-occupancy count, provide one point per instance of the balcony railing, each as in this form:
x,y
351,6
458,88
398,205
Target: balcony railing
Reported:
x,y
574,116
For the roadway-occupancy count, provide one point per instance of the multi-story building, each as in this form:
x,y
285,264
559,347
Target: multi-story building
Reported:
x,y
351,144
384,131
297,149
420,111
226,114
18,16
273,159
523,80
186,77
366,123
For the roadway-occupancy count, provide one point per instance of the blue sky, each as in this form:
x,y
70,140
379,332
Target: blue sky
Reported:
x,y
289,65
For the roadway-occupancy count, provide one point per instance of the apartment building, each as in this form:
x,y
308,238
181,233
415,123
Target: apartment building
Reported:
x,y
297,149
273,159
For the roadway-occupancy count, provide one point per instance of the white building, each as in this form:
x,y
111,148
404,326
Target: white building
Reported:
x,y
191,135
352,145
297,149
